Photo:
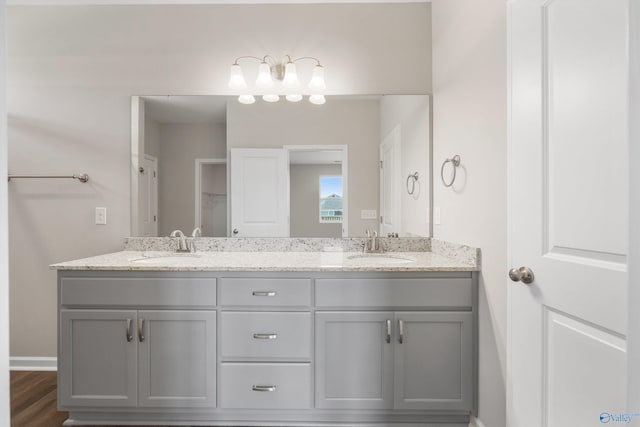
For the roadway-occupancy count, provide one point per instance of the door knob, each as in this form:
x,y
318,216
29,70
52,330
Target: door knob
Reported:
x,y
522,274
235,231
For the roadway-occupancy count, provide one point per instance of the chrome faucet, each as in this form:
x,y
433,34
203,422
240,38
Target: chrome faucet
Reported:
x,y
375,245
372,244
197,232
182,243
368,241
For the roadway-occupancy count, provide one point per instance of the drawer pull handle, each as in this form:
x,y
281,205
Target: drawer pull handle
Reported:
x,y
388,331
264,293
129,333
268,388
265,336
141,330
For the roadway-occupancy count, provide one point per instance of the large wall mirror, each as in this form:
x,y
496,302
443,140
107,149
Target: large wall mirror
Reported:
x,y
281,169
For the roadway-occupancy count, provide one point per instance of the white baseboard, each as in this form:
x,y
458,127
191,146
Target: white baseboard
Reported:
x,y
475,422
33,363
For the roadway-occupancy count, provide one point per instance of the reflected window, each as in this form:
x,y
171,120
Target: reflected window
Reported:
x,y
331,199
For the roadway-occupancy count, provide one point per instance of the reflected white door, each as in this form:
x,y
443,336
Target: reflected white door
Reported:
x,y
568,209
259,193
390,161
148,194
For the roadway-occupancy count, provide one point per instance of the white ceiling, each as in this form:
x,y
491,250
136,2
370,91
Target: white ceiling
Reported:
x,y
135,2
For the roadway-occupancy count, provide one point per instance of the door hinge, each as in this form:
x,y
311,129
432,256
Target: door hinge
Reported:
x,y
154,218
154,174
380,219
380,164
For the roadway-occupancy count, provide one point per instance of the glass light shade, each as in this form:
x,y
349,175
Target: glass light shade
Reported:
x,y
246,99
317,99
290,76
294,97
270,98
317,79
264,80
236,79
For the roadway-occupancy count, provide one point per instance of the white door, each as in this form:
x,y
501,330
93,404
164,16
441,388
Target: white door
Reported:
x,y
148,193
259,193
568,212
390,161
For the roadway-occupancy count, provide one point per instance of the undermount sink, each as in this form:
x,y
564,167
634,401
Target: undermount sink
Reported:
x,y
379,258
148,258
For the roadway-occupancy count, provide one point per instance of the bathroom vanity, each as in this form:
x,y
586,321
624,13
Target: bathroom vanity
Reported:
x,y
268,339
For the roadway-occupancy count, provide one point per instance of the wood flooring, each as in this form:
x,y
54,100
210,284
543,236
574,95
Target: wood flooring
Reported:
x,y
33,400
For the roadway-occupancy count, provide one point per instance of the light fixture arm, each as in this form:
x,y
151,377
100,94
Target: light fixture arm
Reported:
x,y
305,57
249,57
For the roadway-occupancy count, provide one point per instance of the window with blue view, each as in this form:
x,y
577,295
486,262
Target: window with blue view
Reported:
x,y
331,199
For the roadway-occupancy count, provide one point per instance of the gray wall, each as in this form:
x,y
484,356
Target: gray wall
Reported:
x,y
180,146
338,122
72,71
470,119
305,201
412,114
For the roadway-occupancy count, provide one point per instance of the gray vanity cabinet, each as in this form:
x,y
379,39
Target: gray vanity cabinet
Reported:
x,y
433,360
136,341
278,348
415,355
177,359
386,360
161,358
101,358
354,360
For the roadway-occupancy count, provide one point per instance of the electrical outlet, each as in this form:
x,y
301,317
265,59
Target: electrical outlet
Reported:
x,y
368,214
101,216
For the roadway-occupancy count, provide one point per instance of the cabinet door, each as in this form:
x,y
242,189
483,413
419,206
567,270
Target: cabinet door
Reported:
x,y
354,360
177,358
433,361
97,358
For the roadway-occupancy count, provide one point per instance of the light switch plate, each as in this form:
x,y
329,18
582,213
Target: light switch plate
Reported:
x,y
368,214
101,216
436,215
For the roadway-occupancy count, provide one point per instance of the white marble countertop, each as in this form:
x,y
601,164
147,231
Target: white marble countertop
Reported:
x,y
272,261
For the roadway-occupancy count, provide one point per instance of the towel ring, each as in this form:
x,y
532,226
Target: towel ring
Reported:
x,y
455,160
412,179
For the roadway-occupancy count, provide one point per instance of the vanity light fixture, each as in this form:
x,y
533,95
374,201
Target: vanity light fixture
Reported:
x,y
278,78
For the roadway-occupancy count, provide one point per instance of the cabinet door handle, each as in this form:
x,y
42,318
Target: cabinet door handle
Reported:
x,y
141,330
388,331
401,331
129,332
264,293
263,388
265,336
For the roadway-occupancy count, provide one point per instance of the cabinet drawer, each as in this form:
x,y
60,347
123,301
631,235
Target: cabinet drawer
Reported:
x,y
392,293
265,292
265,385
139,292
266,336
